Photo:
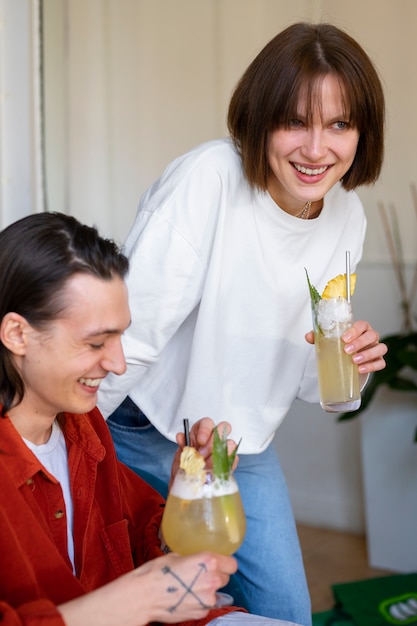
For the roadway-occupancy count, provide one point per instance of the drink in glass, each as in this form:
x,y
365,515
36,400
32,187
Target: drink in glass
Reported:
x,y
338,375
203,512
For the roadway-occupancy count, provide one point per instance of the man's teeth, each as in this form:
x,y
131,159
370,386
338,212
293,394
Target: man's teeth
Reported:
x,y
90,382
310,172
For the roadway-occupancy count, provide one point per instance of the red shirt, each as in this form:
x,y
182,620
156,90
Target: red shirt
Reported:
x,y
116,522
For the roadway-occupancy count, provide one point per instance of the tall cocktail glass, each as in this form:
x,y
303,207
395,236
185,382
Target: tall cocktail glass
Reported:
x,y
338,375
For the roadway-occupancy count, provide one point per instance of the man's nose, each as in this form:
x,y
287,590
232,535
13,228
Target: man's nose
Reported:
x,y
114,360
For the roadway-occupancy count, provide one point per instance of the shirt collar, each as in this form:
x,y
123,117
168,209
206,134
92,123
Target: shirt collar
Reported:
x,y
22,464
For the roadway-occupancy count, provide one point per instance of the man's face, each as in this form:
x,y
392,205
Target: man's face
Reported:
x,y
63,364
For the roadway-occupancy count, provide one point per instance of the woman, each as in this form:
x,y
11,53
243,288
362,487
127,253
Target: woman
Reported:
x,y
79,531
217,287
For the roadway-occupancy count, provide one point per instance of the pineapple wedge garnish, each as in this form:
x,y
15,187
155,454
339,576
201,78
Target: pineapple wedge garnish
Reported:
x,y
191,461
336,288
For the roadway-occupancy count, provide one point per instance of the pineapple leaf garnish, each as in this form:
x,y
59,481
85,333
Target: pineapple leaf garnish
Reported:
x,y
222,460
314,294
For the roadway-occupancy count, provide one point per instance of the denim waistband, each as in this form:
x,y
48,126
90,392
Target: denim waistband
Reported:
x,y
129,414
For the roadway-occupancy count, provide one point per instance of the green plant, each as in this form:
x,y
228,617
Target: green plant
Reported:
x,y
401,358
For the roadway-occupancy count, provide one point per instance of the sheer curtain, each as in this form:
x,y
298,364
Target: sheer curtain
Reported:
x,y
21,188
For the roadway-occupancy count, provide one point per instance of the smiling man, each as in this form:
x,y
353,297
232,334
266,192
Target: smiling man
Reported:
x,y
79,531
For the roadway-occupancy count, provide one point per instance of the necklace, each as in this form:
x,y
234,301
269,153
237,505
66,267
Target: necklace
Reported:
x,y
305,211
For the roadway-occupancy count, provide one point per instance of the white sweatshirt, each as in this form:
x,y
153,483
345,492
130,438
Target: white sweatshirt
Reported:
x,y
219,297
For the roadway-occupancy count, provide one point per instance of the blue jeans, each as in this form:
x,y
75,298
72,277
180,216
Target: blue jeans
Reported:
x,y
271,571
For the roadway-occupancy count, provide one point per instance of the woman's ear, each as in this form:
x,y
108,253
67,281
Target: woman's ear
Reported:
x,y
13,333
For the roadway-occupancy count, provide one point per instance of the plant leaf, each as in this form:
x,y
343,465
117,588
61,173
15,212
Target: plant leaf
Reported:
x,y
314,294
222,460
408,357
402,354
402,384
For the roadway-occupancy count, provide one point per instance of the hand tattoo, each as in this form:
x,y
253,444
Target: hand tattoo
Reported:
x,y
188,588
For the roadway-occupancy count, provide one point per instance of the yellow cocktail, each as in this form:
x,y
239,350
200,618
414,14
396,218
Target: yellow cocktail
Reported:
x,y
203,514
338,375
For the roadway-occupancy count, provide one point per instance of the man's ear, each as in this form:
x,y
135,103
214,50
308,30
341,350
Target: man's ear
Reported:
x,y
13,333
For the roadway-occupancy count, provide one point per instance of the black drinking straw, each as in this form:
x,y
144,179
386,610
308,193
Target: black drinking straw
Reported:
x,y
187,432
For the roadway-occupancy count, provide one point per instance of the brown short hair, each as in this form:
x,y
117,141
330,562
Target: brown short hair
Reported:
x,y
267,96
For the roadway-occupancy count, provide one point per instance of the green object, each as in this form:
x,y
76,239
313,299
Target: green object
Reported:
x,y
322,619
401,360
314,294
315,299
222,460
385,601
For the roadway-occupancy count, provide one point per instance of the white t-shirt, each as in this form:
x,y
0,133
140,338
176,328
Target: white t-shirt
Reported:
x,y
219,297
54,457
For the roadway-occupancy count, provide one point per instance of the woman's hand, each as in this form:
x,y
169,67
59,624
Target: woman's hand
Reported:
x,y
169,589
362,342
201,438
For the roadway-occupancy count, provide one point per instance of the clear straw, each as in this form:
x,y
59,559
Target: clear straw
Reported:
x,y
348,299
348,275
187,432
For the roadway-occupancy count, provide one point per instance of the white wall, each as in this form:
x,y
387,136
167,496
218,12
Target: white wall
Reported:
x,y
130,84
21,190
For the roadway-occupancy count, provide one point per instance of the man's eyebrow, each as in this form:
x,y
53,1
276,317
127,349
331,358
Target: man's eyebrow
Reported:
x,y
106,331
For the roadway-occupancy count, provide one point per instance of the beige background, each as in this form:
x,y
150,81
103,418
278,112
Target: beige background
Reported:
x,y
129,85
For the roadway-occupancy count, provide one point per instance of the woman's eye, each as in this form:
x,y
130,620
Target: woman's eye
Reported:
x,y
96,346
341,125
295,123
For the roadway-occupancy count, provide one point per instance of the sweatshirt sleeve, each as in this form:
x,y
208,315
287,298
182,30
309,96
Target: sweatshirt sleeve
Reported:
x,y
168,248
164,286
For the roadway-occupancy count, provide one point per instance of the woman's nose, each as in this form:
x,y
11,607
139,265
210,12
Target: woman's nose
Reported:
x,y
314,147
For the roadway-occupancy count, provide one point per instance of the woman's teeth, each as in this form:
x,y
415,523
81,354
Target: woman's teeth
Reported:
x,y
309,171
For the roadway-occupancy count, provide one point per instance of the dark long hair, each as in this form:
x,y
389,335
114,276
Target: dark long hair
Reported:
x,y
38,254
298,58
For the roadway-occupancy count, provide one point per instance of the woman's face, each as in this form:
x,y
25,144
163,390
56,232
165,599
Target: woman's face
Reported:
x,y
62,366
306,162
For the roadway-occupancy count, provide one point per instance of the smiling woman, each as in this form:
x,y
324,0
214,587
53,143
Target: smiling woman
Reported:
x,y
307,159
219,242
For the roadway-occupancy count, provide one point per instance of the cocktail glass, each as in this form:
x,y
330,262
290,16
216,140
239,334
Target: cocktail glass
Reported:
x,y
204,512
338,375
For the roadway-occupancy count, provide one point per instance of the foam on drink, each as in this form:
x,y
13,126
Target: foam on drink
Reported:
x,y
192,487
